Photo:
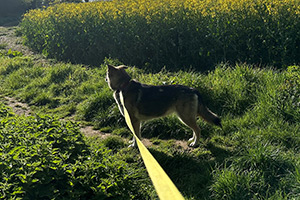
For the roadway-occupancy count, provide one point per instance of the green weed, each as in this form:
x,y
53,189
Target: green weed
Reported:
x,y
124,132
42,157
5,111
3,46
113,142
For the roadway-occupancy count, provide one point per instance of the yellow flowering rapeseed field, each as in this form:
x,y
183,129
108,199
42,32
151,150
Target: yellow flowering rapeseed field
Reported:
x,y
172,33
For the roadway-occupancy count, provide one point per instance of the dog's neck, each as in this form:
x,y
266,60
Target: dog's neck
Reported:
x,y
124,85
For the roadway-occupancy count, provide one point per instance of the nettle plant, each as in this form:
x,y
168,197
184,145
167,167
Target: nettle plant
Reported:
x,y
45,158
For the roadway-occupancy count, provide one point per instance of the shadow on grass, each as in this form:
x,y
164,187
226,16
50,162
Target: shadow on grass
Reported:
x,y
191,171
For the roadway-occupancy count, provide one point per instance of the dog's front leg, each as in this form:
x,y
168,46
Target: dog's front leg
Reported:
x,y
118,100
135,122
137,129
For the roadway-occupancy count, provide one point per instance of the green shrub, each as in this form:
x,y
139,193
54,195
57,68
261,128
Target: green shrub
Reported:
x,y
9,53
44,158
169,33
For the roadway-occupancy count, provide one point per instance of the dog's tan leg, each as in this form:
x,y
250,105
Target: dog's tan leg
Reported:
x,y
117,99
137,129
187,113
192,138
191,122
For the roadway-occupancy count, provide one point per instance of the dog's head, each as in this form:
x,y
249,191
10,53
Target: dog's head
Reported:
x,y
116,77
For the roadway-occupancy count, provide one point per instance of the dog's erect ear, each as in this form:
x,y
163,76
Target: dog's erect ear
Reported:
x,y
111,67
122,67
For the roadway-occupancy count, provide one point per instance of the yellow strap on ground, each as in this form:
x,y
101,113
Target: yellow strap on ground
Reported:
x,y
165,188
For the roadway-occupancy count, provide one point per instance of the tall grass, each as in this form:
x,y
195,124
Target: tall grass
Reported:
x,y
170,33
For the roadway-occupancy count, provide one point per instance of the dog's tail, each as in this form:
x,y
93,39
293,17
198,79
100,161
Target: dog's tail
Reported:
x,y
206,114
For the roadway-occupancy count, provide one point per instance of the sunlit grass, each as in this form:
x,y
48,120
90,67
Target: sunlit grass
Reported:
x,y
254,156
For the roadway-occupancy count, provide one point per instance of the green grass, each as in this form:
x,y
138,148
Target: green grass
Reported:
x,y
255,156
3,46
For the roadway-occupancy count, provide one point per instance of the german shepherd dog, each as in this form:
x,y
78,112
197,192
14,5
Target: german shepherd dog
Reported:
x,y
144,102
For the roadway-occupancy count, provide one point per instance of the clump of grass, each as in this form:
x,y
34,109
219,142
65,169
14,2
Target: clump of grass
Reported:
x,y
263,168
3,46
9,65
124,132
96,107
114,142
166,128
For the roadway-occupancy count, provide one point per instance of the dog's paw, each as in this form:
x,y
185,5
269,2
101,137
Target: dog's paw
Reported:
x,y
132,144
194,144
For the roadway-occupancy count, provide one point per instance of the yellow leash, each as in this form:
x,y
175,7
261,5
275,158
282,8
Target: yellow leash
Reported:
x,y
165,188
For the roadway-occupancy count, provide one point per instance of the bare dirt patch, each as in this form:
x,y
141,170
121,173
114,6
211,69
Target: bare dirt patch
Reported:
x,y
18,107
90,131
9,40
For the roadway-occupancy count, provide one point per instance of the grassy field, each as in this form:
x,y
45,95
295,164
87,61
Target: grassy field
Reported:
x,y
256,156
45,155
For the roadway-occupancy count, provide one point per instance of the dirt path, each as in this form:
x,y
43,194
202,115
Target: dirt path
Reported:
x,y
18,107
9,40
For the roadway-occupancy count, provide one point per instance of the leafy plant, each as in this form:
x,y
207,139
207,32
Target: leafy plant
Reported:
x,y
169,33
5,111
44,158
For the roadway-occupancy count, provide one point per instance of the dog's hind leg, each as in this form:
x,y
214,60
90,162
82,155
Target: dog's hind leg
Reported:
x,y
192,123
187,113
